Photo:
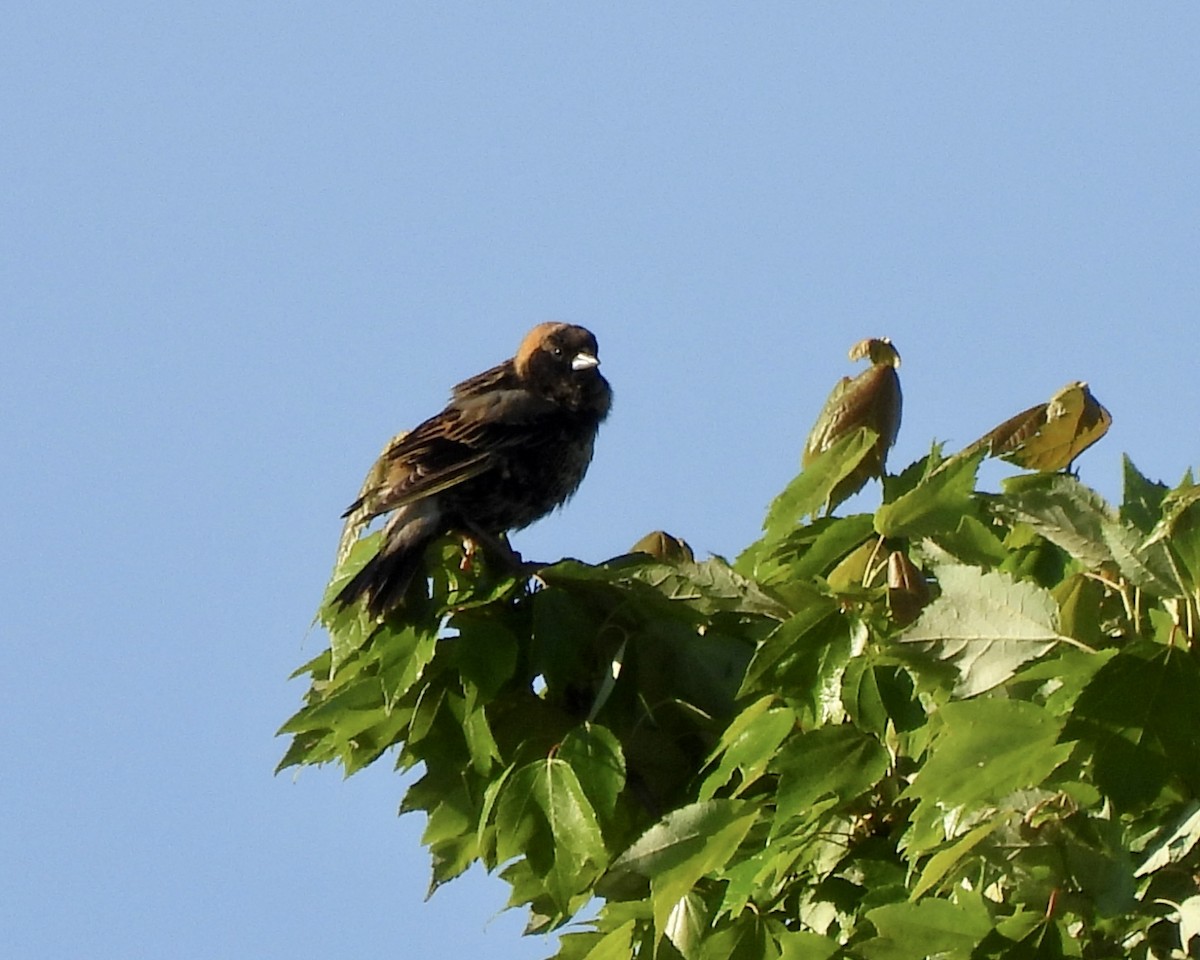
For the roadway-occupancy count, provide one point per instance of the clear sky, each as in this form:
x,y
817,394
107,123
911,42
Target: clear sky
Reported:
x,y
241,244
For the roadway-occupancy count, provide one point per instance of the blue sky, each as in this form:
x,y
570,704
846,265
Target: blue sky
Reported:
x,y
243,244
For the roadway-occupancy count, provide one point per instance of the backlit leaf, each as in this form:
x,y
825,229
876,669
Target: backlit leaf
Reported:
x,y
811,490
936,504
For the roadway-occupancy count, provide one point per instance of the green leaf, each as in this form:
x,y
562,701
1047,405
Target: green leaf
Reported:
x,y
930,928
710,585
686,925
1062,510
804,945
861,696
748,744
543,815
794,639
681,837
744,938
973,542
615,945
942,862
1100,866
808,551
684,846
810,491
1174,843
1142,711
450,834
485,652
1146,562
1181,526
477,731
595,755
1142,505
985,749
936,504
986,624
1079,600
1042,942
1062,676
838,761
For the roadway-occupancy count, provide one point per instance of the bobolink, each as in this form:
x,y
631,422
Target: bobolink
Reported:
x,y
513,443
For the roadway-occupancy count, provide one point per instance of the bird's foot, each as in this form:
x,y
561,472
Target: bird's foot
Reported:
x,y
499,549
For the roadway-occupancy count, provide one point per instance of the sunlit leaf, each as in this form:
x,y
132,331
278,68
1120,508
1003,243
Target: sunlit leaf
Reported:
x,y
1180,529
685,925
805,945
936,504
942,862
683,847
811,551
811,490
615,945
917,931
1049,436
681,837
595,755
748,744
1142,504
986,749
986,624
544,815
1062,510
1175,843
793,639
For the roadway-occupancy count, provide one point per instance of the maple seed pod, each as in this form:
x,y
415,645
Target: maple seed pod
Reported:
x,y
908,592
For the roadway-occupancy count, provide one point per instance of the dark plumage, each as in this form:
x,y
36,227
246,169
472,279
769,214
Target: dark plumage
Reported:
x,y
513,443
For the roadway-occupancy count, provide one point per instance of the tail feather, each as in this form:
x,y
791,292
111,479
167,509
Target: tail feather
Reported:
x,y
384,580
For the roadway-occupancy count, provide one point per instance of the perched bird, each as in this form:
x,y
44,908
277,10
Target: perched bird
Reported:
x,y
1048,437
513,443
872,399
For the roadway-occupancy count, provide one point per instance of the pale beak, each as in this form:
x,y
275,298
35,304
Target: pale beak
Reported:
x,y
584,361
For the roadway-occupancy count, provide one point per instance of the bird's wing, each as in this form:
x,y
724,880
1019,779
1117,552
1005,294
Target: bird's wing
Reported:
x,y
460,443
500,377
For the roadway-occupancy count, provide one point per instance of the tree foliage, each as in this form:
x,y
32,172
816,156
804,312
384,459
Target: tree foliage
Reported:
x,y
966,725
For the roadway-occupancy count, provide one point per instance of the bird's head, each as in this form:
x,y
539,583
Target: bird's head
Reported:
x,y
561,361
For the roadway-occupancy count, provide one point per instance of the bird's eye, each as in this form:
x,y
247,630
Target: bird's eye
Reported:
x,y
558,352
